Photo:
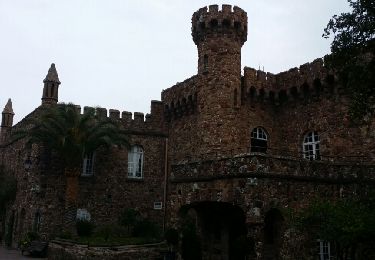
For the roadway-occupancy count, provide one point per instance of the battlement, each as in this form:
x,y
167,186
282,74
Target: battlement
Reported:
x,y
310,79
180,100
230,21
136,120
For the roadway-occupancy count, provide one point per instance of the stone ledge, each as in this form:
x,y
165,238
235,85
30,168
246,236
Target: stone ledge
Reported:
x,y
67,249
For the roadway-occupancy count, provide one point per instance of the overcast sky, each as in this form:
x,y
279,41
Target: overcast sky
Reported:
x,y
120,54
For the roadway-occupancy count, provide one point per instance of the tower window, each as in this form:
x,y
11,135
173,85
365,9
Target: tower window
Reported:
x,y
205,63
135,162
311,146
259,140
235,97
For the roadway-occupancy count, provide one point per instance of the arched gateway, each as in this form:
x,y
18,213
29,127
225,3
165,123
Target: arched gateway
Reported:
x,y
214,230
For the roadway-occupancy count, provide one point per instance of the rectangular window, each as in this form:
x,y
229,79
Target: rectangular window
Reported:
x,y
324,248
88,165
158,205
135,162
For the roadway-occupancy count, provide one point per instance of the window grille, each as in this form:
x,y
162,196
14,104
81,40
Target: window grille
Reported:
x,y
311,146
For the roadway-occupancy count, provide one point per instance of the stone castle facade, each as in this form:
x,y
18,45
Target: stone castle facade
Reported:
x,y
231,151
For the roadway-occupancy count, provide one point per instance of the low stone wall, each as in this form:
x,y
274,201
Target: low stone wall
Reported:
x,y
64,250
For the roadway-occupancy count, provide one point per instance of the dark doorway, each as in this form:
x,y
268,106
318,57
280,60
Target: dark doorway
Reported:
x,y
272,234
221,230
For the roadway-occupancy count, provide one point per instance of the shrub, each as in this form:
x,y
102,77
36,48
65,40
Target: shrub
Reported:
x,y
171,235
65,235
146,228
28,237
111,231
84,228
129,218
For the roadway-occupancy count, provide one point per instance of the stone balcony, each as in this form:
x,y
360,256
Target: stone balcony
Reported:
x,y
257,165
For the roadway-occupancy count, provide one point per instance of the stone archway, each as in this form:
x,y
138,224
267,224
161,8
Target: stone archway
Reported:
x,y
273,223
220,230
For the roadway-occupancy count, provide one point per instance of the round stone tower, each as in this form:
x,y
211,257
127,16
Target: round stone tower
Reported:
x,y
219,36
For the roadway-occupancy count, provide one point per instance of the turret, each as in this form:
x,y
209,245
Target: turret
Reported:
x,y
51,86
219,36
6,120
7,115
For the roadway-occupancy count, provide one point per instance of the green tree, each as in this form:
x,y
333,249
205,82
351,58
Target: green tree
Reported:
x,y
129,218
353,54
349,224
8,189
71,136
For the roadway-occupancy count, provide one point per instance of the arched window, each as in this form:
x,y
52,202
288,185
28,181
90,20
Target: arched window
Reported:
x,y
311,146
135,162
259,140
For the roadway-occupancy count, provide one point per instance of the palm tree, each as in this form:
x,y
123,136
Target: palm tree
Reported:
x,y
71,136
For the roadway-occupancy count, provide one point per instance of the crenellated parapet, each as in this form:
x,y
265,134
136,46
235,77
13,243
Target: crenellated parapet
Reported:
x,y
213,22
181,99
310,79
136,121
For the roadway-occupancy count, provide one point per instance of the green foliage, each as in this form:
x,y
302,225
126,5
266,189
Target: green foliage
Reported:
x,y
84,228
26,240
8,189
353,54
146,228
71,135
110,231
112,234
115,241
171,236
347,223
65,235
129,218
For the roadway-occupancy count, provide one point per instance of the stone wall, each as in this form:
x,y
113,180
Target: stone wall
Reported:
x,y
63,250
41,188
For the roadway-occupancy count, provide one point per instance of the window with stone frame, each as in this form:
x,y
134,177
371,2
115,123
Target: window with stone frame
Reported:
x,y
88,165
311,146
135,162
324,250
259,140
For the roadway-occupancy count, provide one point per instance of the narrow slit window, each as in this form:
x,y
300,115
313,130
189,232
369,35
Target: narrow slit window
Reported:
x,y
205,63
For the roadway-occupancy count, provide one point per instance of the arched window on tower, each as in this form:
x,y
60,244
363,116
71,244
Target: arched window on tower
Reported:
x,y
259,140
311,146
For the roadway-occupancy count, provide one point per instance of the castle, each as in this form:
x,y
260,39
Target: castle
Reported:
x,y
228,150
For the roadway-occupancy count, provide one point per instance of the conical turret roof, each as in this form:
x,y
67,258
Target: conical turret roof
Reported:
x,y
8,108
52,75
